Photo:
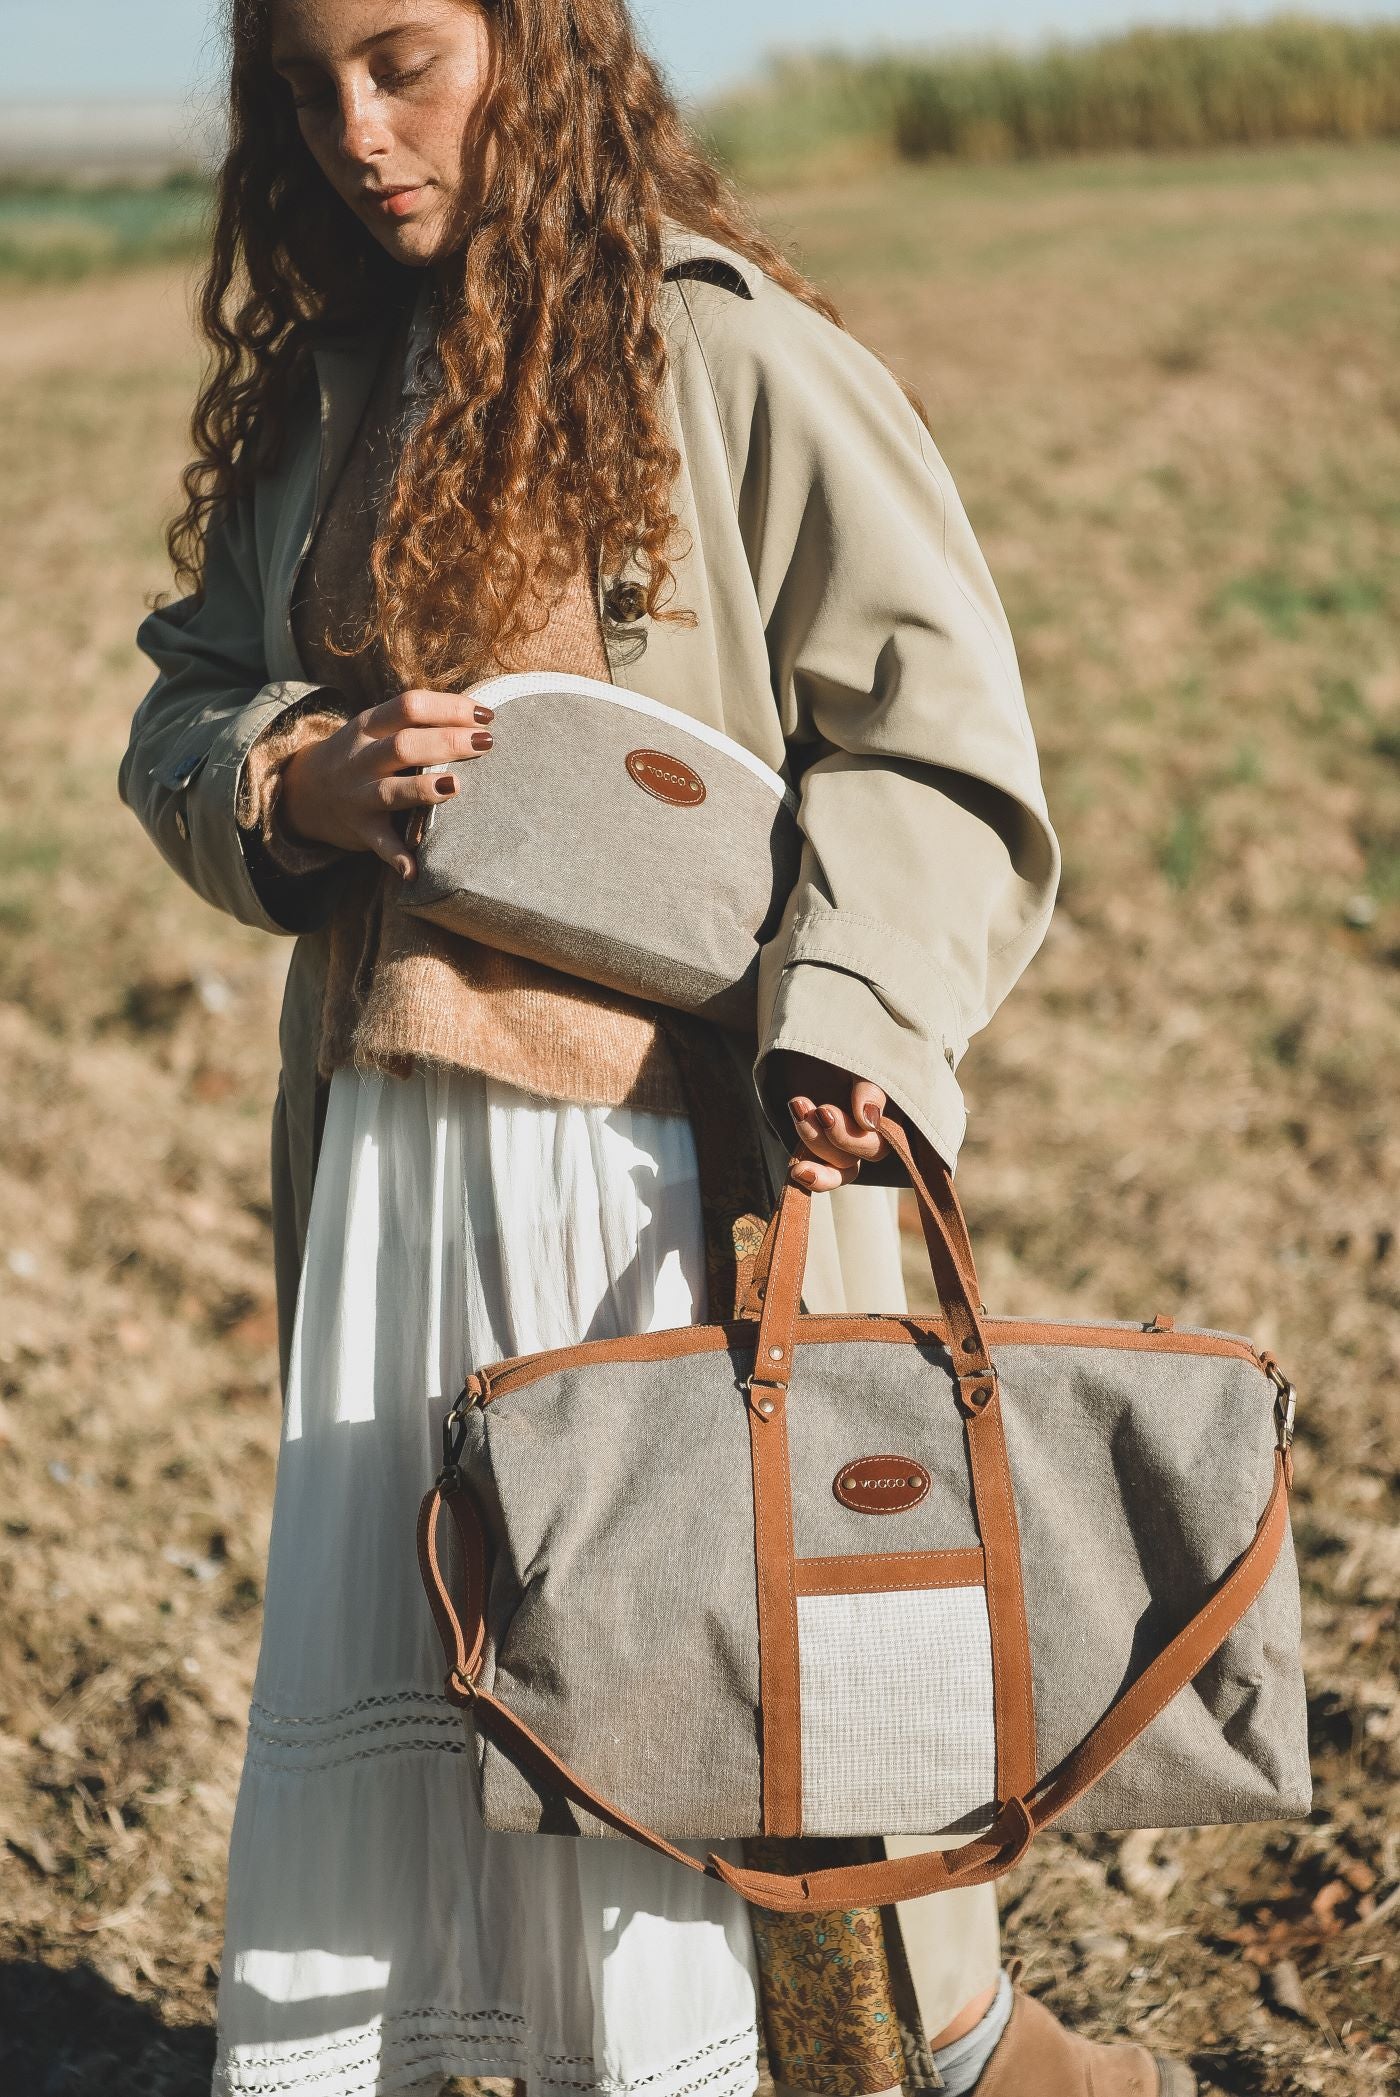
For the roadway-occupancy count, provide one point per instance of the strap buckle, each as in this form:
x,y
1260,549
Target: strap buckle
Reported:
x,y
766,1404
1285,1403
976,1388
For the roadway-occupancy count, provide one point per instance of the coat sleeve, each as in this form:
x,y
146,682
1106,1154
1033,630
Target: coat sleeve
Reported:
x,y
929,867
190,738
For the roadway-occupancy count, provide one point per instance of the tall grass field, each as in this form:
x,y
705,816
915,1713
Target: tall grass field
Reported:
x,y
1291,78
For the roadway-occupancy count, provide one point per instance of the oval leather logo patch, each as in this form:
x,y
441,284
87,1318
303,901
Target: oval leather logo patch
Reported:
x,y
666,777
881,1484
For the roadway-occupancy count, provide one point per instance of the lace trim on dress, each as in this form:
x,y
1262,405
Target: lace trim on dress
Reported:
x,y
411,2051
398,1722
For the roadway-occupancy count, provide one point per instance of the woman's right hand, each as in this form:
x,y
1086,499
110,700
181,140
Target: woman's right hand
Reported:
x,y
346,788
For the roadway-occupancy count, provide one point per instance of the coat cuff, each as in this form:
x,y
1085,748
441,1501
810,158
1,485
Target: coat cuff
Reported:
x,y
216,790
844,979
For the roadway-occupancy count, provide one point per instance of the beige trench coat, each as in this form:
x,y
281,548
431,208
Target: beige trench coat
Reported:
x,y
847,632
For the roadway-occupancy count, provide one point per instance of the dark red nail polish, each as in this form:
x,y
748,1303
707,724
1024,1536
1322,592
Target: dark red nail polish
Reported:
x,y
870,1114
444,784
484,714
827,1116
482,741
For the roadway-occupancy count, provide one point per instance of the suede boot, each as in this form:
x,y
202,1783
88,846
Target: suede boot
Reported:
x,y
1037,2057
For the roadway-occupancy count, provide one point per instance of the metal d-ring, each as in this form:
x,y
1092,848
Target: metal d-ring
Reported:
x,y
454,1437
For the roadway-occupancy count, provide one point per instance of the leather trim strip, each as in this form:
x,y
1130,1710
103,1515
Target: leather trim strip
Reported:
x,y
890,1572
1012,1694
779,1672
740,1334
782,1296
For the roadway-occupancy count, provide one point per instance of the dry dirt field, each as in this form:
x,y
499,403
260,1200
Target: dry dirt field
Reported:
x,y
1170,392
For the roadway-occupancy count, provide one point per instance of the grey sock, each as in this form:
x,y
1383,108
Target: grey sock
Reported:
x,y
961,2064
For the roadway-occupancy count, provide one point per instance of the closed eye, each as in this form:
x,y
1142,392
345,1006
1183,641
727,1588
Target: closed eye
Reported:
x,y
404,76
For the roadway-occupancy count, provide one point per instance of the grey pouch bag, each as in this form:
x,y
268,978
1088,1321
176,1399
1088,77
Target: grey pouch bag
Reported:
x,y
616,839
802,1575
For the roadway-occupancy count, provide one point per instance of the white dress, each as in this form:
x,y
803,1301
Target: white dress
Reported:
x,y
378,1937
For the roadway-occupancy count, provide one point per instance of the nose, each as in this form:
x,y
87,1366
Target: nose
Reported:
x,y
364,134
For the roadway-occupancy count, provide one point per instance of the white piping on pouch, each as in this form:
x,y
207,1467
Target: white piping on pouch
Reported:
x,y
536,684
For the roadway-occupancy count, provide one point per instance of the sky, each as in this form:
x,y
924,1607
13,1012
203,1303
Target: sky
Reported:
x,y
64,49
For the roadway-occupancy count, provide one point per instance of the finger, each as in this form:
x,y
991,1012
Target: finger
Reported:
x,y
868,1103
804,1120
821,1178
410,747
844,1137
417,709
415,789
831,1153
385,842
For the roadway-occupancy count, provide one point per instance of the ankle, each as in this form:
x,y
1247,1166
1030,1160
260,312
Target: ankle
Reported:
x,y
960,2062
968,2017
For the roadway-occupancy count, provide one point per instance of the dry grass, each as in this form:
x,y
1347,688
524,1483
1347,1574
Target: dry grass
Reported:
x,y
1170,399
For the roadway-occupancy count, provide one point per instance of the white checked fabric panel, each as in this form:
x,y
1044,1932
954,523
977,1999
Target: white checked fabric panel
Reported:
x,y
898,1733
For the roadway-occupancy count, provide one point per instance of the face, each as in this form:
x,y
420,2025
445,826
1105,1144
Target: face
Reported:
x,y
387,95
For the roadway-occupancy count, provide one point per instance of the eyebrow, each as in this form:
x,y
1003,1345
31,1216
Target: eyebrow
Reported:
x,y
293,57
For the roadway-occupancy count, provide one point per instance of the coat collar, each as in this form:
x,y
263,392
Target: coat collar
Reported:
x,y
690,254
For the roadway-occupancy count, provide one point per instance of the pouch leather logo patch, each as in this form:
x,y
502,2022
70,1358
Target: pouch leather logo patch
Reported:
x,y
666,778
881,1484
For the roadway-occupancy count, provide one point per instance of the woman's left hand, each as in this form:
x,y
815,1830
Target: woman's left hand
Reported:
x,y
835,1116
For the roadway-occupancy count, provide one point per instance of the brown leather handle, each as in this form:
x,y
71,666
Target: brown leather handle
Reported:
x,y
751,1302
950,1256
988,1855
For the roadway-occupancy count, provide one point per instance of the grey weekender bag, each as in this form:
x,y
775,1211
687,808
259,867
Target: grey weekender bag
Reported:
x,y
803,1575
690,845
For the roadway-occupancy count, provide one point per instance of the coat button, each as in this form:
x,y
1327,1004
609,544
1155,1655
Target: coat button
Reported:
x,y
624,602
182,828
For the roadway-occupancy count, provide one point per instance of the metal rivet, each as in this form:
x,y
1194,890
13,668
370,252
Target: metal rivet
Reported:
x,y
775,1354
765,1406
913,1481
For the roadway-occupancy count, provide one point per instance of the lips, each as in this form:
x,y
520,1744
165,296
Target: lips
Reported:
x,y
395,203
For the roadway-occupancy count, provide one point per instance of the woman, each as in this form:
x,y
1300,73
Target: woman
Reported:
x,y
503,376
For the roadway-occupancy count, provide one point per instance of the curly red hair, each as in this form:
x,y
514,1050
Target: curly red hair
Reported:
x,y
546,445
